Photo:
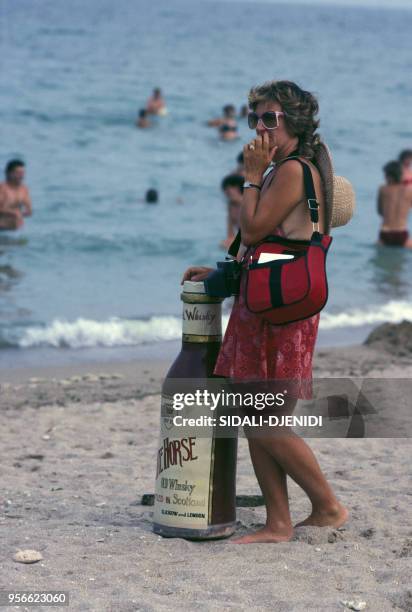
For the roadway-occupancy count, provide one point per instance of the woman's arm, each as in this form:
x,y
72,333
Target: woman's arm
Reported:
x,y
260,214
196,273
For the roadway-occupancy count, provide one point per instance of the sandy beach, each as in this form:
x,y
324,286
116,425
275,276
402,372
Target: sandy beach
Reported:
x,y
137,139
78,452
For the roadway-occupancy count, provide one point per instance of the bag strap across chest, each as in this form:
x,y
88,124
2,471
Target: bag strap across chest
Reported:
x,y
310,195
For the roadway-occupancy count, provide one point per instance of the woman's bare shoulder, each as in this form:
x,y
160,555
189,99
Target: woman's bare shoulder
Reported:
x,y
287,171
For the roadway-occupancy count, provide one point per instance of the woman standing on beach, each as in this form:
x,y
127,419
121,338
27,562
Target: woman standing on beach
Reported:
x,y
284,117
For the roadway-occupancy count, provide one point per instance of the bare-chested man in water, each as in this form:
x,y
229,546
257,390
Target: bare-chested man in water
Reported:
x,y
394,204
15,202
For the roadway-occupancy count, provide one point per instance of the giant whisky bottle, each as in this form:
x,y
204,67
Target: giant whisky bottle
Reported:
x,y
196,469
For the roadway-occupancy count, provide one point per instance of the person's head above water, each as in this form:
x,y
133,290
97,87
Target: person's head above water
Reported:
x,y
152,196
229,111
244,110
393,172
14,171
157,92
232,186
142,113
288,114
405,158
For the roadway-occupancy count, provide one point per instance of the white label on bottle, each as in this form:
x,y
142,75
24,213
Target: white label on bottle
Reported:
x,y
202,319
183,474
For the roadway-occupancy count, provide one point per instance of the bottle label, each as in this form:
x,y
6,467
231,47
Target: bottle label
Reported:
x,y
202,319
183,476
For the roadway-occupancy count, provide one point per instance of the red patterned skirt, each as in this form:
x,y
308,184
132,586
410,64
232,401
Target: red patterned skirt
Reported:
x,y
254,350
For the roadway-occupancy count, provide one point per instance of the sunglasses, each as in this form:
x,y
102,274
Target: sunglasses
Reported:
x,y
269,120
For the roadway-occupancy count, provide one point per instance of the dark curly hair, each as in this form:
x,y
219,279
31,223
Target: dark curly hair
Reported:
x,y
300,108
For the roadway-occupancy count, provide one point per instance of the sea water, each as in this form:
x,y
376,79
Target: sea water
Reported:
x,y
95,273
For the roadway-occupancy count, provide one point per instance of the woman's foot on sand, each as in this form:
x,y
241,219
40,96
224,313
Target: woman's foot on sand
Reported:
x,y
334,517
265,535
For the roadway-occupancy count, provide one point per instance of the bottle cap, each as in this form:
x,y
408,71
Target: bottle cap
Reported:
x,y
194,287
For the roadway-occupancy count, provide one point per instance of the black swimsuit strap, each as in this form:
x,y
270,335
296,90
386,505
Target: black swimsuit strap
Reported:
x,y
309,193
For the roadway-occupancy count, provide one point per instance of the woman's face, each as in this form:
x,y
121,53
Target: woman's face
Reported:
x,y
277,137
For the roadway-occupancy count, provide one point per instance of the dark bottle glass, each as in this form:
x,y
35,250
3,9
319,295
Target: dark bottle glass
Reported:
x,y
195,494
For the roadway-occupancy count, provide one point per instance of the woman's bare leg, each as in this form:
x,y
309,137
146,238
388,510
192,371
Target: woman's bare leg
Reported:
x,y
298,460
275,455
272,481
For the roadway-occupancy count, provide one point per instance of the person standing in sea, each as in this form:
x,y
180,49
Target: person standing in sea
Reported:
x,y
143,120
253,349
240,168
226,125
15,201
156,104
232,187
394,205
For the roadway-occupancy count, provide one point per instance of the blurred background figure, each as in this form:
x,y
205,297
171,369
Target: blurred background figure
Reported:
x,y
15,202
232,187
405,159
152,196
156,104
240,168
143,120
226,125
243,112
394,204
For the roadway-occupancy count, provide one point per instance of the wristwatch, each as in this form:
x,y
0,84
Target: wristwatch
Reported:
x,y
247,184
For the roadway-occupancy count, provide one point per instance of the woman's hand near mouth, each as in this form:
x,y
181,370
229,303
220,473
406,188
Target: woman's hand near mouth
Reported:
x,y
257,156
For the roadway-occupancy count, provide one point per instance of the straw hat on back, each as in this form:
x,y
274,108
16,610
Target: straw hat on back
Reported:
x,y
339,193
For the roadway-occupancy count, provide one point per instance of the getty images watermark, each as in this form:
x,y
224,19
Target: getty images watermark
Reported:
x,y
203,398
335,408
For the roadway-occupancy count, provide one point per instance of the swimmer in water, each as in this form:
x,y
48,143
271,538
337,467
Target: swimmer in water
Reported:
x,y
394,205
244,111
156,104
405,159
15,202
226,125
143,120
240,168
232,187
151,196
